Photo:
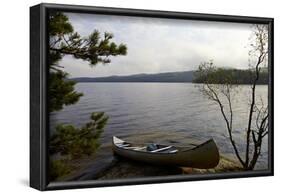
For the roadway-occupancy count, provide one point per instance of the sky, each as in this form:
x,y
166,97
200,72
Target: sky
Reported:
x,y
161,45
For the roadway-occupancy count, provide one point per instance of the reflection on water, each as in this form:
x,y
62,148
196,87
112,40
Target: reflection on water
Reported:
x,y
163,112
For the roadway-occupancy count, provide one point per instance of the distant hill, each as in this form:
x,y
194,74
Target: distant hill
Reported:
x,y
184,76
239,76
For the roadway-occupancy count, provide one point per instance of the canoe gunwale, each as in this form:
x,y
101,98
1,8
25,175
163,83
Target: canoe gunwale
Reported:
x,y
180,149
200,145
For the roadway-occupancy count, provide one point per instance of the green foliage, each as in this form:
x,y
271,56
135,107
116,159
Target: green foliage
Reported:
x,y
61,91
59,24
207,73
58,168
65,41
94,48
76,142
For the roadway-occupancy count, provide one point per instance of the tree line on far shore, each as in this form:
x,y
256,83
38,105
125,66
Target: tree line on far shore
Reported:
x,y
219,74
234,76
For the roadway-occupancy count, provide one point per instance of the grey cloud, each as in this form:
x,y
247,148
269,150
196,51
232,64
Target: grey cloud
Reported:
x,y
161,45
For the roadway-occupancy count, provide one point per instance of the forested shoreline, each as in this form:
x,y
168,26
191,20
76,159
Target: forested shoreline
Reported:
x,y
238,76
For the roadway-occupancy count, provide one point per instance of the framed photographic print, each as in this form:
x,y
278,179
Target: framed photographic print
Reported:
x,y
125,96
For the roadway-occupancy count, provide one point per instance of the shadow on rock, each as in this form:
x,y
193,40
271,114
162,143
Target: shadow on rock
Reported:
x,y
130,169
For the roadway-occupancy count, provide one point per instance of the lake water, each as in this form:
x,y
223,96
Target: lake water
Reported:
x,y
177,112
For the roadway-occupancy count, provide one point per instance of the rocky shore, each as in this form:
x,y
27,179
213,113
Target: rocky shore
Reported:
x,y
125,169
225,165
122,168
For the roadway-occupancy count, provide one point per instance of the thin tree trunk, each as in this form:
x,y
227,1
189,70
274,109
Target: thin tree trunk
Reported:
x,y
253,99
228,124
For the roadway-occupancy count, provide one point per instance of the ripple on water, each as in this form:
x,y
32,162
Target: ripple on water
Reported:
x,y
170,113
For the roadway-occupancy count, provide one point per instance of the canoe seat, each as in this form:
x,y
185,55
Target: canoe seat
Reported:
x,y
161,149
122,145
132,148
140,148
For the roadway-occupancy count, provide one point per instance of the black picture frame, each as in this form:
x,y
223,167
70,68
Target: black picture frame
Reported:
x,y
39,84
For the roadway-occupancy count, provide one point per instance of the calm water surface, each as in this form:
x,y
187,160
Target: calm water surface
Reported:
x,y
175,111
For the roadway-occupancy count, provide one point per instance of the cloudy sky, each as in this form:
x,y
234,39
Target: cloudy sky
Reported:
x,y
161,45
